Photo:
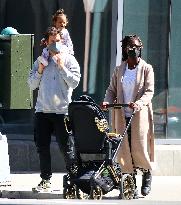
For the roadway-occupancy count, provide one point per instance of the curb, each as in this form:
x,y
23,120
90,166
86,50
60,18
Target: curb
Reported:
x,y
30,195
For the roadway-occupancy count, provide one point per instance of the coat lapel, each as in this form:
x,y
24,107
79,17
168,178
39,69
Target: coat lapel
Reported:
x,y
138,79
120,80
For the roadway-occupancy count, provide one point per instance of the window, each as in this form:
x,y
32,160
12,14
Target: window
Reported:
x,y
97,49
174,73
158,25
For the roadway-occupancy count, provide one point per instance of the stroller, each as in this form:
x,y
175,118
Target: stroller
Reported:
x,y
89,135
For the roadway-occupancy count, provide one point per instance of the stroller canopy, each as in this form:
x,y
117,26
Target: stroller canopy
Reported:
x,y
83,115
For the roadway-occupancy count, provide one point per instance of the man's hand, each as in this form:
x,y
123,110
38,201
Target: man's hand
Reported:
x,y
60,60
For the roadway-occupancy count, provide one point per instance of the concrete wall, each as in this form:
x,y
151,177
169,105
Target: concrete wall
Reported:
x,y
23,157
168,160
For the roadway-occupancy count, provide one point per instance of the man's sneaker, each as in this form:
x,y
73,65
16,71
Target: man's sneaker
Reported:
x,y
43,186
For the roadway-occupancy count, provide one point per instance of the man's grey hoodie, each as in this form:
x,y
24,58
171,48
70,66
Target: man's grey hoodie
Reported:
x,y
55,85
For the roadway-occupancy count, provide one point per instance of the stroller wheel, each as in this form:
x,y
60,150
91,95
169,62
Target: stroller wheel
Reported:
x,y
96,193
127,187
80,194
69,192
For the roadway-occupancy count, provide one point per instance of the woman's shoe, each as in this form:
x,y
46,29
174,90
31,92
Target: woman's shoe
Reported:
x,y
136,195
146,183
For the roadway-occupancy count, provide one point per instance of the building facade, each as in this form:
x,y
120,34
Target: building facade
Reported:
x,y
157,24
96,28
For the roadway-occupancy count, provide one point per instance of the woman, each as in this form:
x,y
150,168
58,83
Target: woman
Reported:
x,y
133,83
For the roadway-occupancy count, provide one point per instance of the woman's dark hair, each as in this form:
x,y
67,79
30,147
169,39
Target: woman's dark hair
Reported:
x,y
127,40
57,14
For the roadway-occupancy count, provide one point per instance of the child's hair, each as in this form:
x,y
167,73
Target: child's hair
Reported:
x,y
51,31
57,14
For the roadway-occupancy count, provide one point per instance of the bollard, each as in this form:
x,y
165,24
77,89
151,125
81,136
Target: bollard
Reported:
x,y
4,162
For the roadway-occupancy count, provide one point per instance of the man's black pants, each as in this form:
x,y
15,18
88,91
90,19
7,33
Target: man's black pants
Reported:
x,y
46,124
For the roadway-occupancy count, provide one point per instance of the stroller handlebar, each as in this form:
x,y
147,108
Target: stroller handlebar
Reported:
x,y
116,105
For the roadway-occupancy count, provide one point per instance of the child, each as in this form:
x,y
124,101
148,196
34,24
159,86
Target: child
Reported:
x,y
60,21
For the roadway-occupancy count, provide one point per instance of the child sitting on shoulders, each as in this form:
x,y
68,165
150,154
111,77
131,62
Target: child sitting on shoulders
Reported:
x,y
59,21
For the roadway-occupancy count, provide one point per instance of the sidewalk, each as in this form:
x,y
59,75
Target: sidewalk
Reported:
x,y
167,188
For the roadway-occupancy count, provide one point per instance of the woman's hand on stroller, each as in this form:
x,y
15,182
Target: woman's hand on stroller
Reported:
x,y
134,106
104,106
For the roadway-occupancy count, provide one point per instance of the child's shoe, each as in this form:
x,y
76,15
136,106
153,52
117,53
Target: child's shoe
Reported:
x,y
43,60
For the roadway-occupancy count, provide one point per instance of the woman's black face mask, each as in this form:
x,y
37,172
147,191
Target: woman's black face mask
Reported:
x,y
133,52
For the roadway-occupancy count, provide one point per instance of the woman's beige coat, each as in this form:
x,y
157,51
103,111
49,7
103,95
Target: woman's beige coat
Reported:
x,y
142,137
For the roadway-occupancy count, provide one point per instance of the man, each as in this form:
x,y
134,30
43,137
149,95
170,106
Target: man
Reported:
x,y
55,83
